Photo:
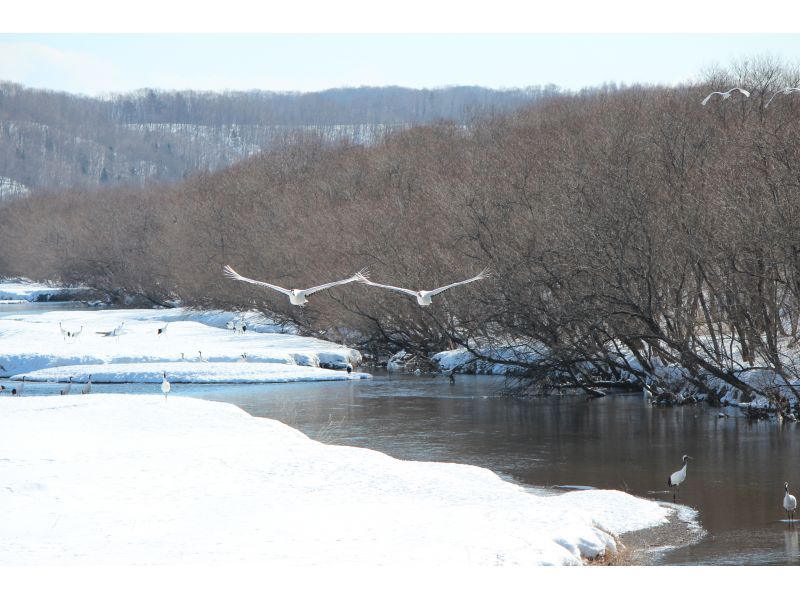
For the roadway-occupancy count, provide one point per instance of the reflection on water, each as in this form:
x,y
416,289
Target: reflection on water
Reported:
x,y
790,541
617,442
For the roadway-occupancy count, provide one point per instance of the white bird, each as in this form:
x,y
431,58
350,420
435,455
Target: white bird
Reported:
x,y
423,297
163,330
116,332
789,502
726,94
75,334
239,327
201,358
296,296
65,391
20,388
243,358
165,385
63,332
785,91
87,388
677,478
646,394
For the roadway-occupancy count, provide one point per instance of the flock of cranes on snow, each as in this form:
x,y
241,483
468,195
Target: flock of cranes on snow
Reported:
x,y
296,297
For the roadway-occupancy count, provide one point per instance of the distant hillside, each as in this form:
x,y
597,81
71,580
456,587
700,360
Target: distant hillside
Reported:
x,y
50,140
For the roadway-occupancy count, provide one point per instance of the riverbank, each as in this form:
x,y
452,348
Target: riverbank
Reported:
x,y
23,290
123,479
643,546
138,345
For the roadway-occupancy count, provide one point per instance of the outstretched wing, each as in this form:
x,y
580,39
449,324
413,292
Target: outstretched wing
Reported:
x,y
357,276
744,92
363,279
708,97
784,91
480,276
773,97
232,274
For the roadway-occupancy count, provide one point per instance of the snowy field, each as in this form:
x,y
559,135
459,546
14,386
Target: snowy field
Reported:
x,y
137,479
195,347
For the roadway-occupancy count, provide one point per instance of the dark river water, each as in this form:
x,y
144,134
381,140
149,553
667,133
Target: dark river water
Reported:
x,y
617,442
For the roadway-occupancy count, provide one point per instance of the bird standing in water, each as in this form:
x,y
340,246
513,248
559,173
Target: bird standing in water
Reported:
x,y
677,478
165,385
789,502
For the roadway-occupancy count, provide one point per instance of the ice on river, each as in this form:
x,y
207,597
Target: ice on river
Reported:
x,y
140,479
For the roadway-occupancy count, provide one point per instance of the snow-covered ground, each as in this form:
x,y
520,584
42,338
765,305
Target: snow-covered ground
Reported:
x,y
189,372
139,479
195,347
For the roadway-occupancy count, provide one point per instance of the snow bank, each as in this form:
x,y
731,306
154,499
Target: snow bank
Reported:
x,y
25,290
132,479
33,342
254,321
466,363
189,372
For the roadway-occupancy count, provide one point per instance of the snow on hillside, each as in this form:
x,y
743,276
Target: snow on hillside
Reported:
x,y
139,479
9,188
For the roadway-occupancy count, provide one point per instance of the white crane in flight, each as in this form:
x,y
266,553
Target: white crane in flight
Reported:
x,y
296,296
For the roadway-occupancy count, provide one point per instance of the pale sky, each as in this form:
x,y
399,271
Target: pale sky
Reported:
x,y
96,63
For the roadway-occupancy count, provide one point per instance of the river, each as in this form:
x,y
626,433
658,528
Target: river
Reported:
x,y
617,442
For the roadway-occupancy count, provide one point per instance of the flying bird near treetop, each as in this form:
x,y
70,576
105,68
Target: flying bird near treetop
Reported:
x,y
726,94
423,297
296,296
785,91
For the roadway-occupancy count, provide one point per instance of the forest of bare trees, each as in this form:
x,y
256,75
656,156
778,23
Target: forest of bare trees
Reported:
x,y
633,235
51,140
